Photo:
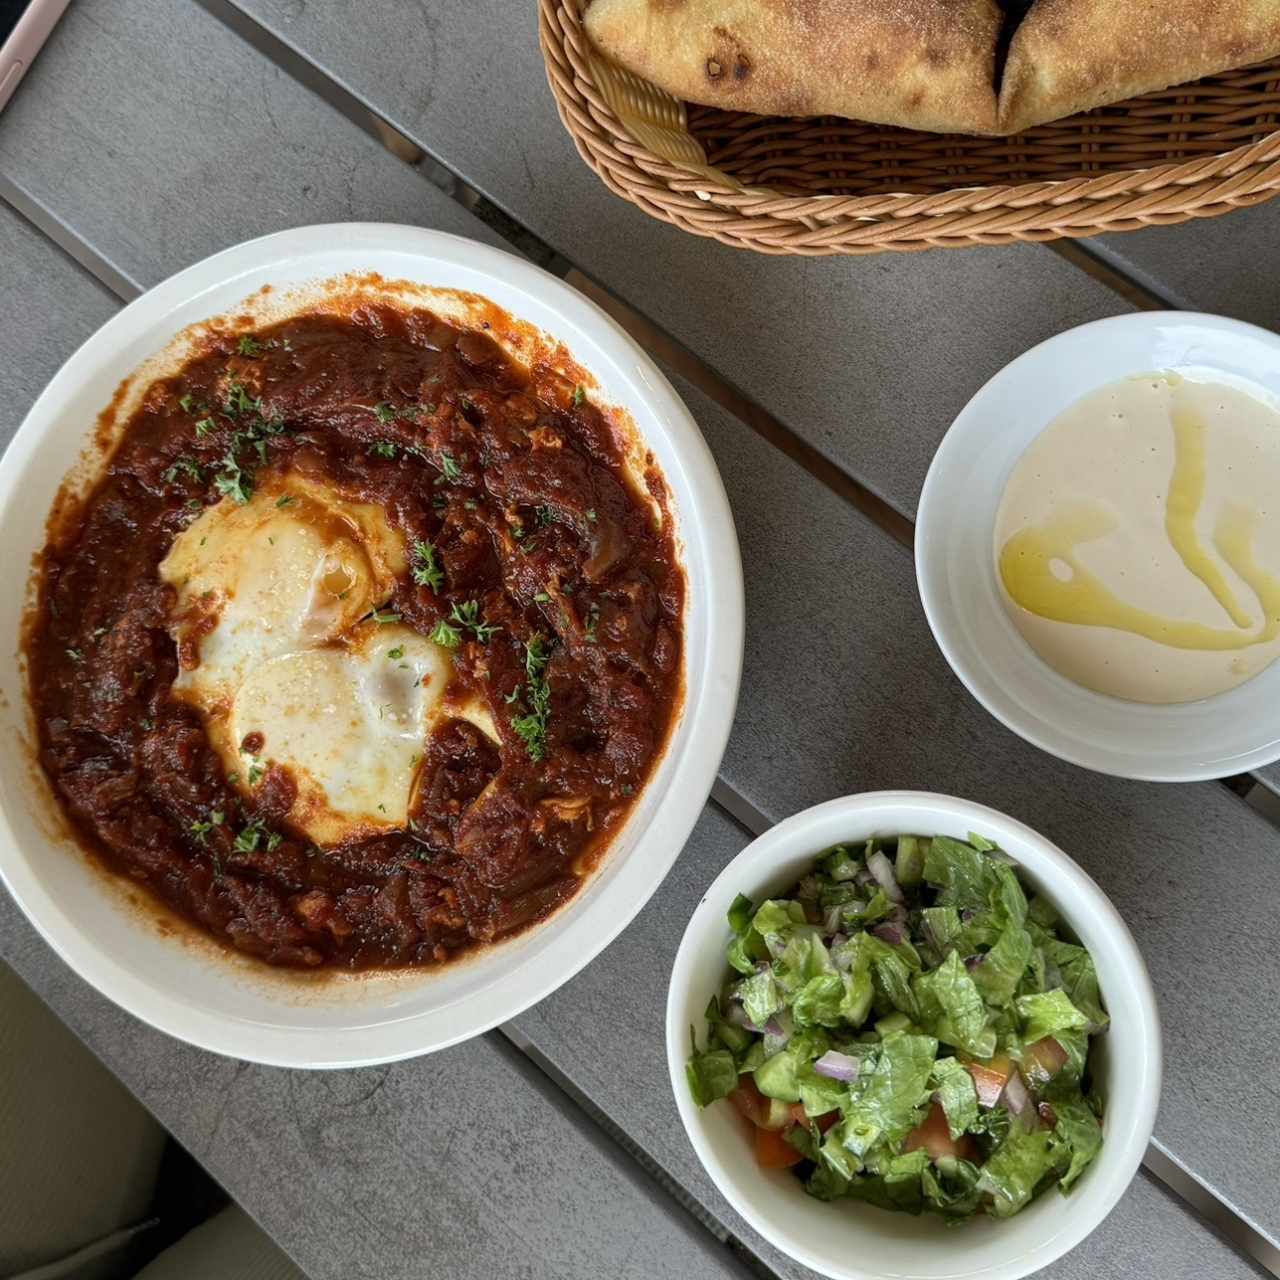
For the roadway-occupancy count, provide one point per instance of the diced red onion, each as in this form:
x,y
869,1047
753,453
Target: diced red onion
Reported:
x,y
1016,1098
973,962
1047,1115
837,1066
737,1015
880,867
838,940
863,878
831,918
890,933
898,916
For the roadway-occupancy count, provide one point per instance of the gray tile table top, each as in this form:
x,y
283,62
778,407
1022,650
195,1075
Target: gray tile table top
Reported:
x,y
121,139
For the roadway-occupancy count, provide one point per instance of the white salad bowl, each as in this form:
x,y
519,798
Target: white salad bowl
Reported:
x,y
850,1240
175,979
1229,733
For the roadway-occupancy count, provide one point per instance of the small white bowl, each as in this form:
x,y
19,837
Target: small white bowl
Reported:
x,y
178,980
853,1241
1229,733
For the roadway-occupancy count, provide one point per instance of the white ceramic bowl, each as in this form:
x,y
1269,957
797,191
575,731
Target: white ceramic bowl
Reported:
x,y
853,1241
222,1002
1227,734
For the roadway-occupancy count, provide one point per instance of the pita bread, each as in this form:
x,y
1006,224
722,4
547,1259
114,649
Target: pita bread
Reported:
x,y
925,64
1070,55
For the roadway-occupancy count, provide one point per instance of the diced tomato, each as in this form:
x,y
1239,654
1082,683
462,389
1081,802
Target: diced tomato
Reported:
x,y
773,1151
750,1101
934,1135
990,1078
824,1122
1043,1060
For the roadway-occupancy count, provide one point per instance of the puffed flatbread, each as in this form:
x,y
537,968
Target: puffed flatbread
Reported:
x,y
924,64
1071,55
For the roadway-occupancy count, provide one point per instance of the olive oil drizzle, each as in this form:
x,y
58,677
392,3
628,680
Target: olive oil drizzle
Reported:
x,y
1027,559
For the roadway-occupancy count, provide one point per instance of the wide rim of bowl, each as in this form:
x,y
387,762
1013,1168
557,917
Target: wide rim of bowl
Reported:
x,y
697,744
753,868
930,540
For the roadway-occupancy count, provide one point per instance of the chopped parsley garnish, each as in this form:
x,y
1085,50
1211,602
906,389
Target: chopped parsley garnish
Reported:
x,y
541,598
204,426
593,620
187,402
426,569
382,618
383,449
591,514
445,635
286,500
449,466
384,412
184,467
532,728
544,516
396,653
255,771
232,481
248,346
75,655
255,833
201,829
239,401
579,395
467,615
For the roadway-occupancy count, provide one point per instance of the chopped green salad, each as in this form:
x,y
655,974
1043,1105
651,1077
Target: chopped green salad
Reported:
x,y
906,1028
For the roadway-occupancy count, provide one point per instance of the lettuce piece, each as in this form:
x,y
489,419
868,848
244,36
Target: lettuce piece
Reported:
x,y
775,921
887,1097
870,1188
1049,1013
1042,912
1080,1135
964,876
837,1155
1008,902
902,1180
741,910
820,1095
892,974
876,909
803,958
1002,967
1017,1167
941,925
956,1094
1079,981
826,1184
951,1188
952,1009
734,1038
711,1075
854,958
820,1001
840,862
801,1137
747,947
761,996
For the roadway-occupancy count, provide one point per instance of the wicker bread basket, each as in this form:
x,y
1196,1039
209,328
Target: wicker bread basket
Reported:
x,y
825,185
